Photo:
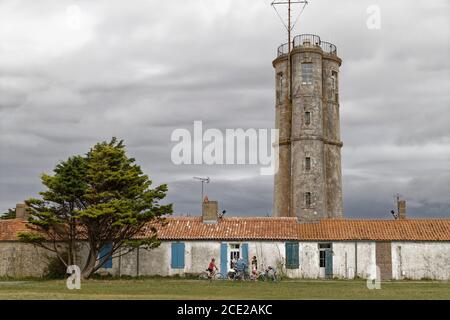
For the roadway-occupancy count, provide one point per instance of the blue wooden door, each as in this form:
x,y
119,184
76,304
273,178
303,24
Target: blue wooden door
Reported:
x,y
329,263
103,256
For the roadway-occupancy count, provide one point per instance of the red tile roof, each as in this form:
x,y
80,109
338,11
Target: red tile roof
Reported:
x,y
378,230
231,228
10,228
270,228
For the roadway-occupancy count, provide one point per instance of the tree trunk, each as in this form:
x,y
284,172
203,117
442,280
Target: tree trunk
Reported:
x,y
90,265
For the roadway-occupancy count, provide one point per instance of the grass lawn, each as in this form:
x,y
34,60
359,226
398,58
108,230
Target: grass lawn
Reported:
x,y
163,288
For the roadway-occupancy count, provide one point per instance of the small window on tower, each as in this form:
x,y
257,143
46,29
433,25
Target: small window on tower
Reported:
x,y
307,73
308,164
308,199
280,87
334,80
307,118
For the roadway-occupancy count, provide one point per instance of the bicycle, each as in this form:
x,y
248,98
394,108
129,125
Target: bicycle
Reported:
x,y
206,275
242,275
269,275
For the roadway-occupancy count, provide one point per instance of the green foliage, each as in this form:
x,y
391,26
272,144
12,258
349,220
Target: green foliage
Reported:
x,y
56,269
31,237
11,214
103,197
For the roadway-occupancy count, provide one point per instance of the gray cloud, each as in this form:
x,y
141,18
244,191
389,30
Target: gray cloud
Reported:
x,y
140,71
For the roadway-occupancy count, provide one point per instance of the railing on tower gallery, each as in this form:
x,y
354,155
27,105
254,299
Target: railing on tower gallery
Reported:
x,y
307,40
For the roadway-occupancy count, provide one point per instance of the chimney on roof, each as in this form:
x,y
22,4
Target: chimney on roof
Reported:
x,y
21,211
210,211
401,209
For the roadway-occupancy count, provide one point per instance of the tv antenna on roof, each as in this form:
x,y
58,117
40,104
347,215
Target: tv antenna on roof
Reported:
x,y
289,27
203,181
397,203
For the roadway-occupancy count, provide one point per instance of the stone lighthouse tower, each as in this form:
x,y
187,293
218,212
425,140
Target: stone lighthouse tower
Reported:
x,y
308,184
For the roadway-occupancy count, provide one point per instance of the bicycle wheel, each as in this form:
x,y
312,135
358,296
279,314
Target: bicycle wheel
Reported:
x,y
218,276
203,276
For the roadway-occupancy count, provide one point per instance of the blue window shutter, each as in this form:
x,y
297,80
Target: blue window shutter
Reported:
x,y
296,260
223,259
292,257
174,252
287,249
177,251
181,255
245,252
104,251
329,263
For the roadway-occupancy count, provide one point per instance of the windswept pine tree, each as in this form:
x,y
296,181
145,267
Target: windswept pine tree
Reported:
x,y
102,198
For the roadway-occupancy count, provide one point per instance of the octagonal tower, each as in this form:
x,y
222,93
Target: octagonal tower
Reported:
x,y
308,184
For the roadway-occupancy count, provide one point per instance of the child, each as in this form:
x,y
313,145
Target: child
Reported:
x,y
212,266
254,266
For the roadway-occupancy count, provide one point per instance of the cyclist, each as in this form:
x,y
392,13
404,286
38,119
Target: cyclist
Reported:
x,y
212,267
271,273
240,267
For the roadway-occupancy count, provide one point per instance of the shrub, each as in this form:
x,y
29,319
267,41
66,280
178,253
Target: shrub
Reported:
x,y
55,268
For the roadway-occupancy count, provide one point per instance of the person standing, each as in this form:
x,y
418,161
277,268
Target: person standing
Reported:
x,y
254,267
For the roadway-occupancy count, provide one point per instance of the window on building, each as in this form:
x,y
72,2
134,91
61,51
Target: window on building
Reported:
x,y
321,258
280,87
334,76
292,256
307,118
177,255
308,163
334,80
308,199
307,73
235,254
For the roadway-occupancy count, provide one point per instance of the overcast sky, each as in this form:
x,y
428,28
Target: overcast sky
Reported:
x,y
140,69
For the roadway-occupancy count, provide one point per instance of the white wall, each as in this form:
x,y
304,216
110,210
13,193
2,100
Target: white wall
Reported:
x,y
199,253
421,260
23,260
366,256
268,253
197,257
410,260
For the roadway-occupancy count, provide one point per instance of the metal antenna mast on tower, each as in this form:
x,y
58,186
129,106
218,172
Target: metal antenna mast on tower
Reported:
x,y
289,27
